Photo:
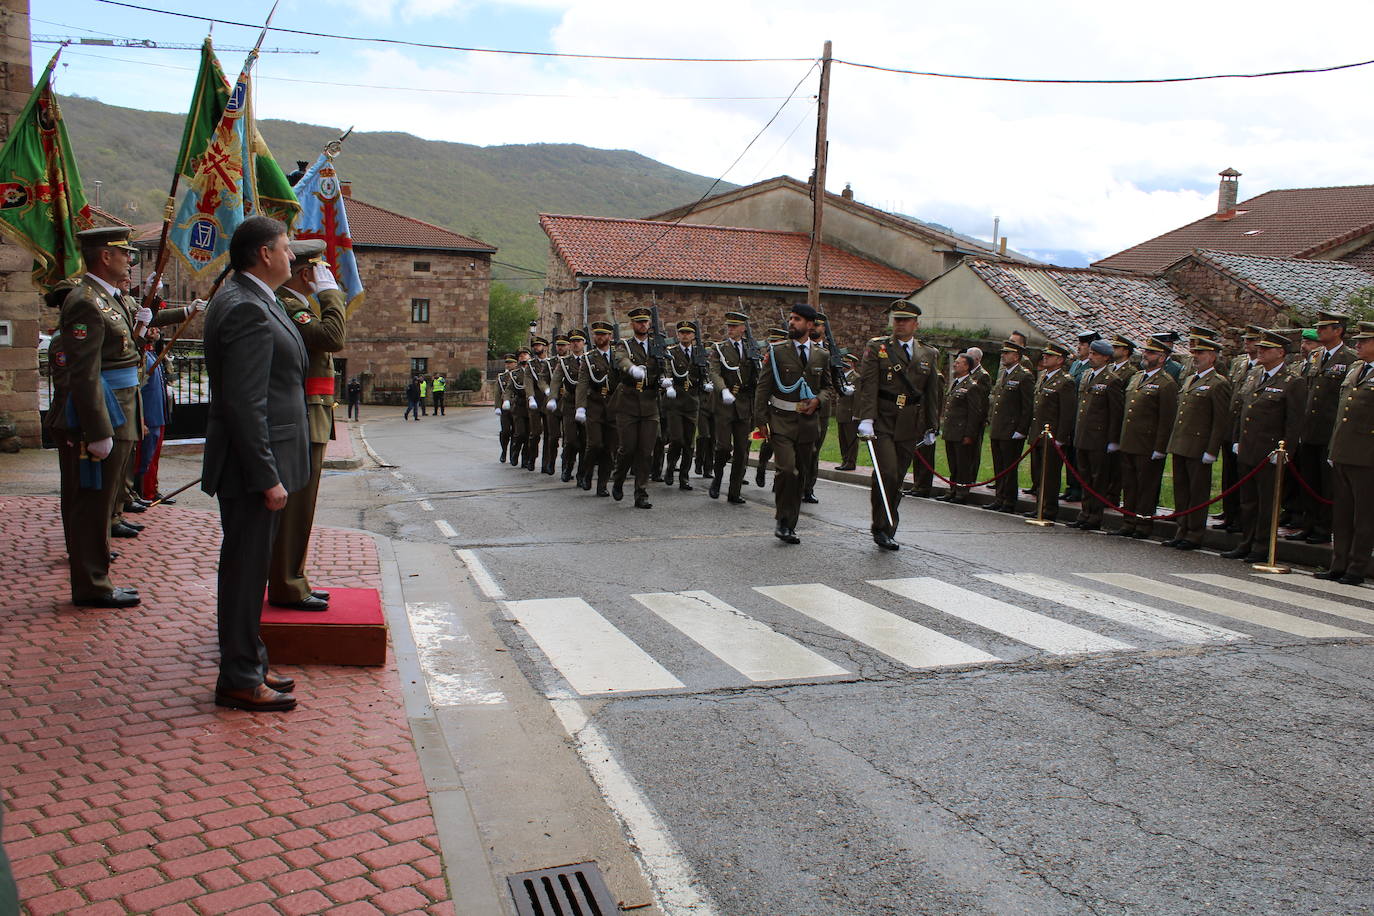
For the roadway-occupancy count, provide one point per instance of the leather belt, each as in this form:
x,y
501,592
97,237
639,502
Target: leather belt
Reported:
x,y
901,400
780,404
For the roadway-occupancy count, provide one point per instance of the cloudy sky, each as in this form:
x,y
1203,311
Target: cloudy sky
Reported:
x,y
1074,172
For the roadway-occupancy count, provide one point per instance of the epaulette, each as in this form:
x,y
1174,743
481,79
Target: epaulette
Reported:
x,y
876,339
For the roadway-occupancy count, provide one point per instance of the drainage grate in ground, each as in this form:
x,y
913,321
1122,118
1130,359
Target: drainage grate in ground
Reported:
x,y
568,890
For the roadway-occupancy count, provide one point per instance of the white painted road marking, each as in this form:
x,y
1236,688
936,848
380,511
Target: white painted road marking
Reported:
x,y
445,528
1284,596
425,504
591,654
1265,617
1121,610
891,634
746,645
1358,592
1020,624
479,574
437,641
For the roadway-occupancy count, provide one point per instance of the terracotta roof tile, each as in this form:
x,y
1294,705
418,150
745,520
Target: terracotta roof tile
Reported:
x,y
648,250
1296,283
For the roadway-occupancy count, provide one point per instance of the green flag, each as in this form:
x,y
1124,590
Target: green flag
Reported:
x,y
42,206
275,196
207,107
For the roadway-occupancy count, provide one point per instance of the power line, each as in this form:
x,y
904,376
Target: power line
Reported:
x,y
1106,81
806,115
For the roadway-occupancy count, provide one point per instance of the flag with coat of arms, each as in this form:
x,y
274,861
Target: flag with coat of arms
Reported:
x,y
323,216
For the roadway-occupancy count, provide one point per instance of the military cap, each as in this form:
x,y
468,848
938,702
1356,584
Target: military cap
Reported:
x,y
1155,345
904,308
510,358
1309,333
538,340
560,338
1199,330
307,249
686,325
736,318
1165,337
1088,336
519,350
106,236
1203,343
1253,332
602,326
820,318
776,334
1101,346
1121,340
1291,335
850,357
804,310
639,313
1324,317
1272,338
1056,349
576,334
1365,332
1011,346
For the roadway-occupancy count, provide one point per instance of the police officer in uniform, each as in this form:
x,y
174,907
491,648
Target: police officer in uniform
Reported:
x,y
898,403
316,306
504,407
787,407
846,424
735,377
1352,460
1325,372
1151,405
1010,406
1199,434
1056,406
598,380
682,400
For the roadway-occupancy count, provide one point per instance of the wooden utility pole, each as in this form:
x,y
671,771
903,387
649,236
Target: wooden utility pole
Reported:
x,y
813,263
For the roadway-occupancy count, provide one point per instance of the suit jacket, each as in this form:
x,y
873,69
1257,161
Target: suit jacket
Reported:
x,y
256,435
1101,402
1273,410
903,398
1011,403
1204,416
1353,439
785,363
966,409
1056,405
1325,376
1151,404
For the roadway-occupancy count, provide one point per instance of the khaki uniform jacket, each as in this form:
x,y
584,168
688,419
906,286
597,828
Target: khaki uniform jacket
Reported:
x,y
1325,377
518,391
323,327
730,372
966,409
1204,416
1101,404
636,397
1151,405
1352,442
597,383
97,332
563,380
1123,371
844,403
1242,377
687,380
1273,410
1011,403
1056,405
538,381
784,361
903,399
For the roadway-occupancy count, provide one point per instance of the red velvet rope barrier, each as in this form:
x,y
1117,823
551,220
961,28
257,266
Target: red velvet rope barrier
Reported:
x,y
993,479
1156,518
1293,469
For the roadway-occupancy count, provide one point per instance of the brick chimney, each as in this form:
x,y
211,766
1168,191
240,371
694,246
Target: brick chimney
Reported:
x,y
1228,193
848,192
346,188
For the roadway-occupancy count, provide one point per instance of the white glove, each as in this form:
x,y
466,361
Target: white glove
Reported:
x,y
534,405
865,429
727,398
709,387
497,411
150,282
847,390
1113,447
638,373
553,404
1018,435
929,438
323,279
1208,458
581,415
505,405
1274,458
665,383
1330,463
1235,448
671,391
547,391
1155,456
197,305
100,448
143,316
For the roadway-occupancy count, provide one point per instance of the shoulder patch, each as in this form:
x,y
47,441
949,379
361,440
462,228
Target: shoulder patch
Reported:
x,y
79,331
303,317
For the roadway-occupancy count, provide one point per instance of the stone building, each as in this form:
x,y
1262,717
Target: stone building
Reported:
x,y
20,305
1272,292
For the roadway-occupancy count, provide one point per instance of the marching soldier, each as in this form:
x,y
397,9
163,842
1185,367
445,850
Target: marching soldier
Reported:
x,y
317,308
1241,368
683,401
966,410
598,382
521,429
827,409
786,405
1199,434
567,367
1352,459
1056,406
704,459
553,405
735,377
636,408
1151,405
1273,401
775,335
898,403
1097,430
504,410
1010,406
847,425
1325,372
538,387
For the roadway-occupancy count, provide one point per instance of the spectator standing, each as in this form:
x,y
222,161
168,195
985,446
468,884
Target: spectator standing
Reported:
x,y
440,384
413,398
156,413
355,398
424,393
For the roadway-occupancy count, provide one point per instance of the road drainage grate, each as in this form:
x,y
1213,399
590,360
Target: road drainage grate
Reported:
x,y
568,890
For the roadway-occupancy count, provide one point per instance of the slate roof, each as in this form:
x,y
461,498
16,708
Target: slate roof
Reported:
x,y
1059,301
1292,223
1296,283
637,249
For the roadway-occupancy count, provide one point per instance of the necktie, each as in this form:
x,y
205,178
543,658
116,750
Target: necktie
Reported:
x,y
801,351
739,349
1364,373
906,348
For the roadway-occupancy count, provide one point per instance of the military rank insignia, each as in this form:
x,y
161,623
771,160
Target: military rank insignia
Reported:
x,y
303,318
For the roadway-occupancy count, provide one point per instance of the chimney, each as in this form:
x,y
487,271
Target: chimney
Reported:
x,y
346,188
1002,246
1228,193
848,192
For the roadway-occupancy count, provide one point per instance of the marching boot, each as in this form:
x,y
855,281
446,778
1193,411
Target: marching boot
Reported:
x,y
682,483
674,452
714,491
503,453
656,462
642,500
516,447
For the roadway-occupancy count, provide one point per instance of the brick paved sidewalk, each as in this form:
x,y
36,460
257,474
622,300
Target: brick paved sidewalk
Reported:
x,y
128,791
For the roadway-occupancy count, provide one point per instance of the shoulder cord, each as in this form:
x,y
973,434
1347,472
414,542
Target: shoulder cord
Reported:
x,y
591,373
799,387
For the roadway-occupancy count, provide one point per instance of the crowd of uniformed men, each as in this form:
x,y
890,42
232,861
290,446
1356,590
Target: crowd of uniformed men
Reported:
x,y
1115,410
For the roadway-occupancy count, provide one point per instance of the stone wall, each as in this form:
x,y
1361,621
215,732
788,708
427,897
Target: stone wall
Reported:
x,y
20,304
1203,286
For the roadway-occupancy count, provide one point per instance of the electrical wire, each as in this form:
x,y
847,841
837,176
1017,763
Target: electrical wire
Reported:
x,y
1105,81
806,115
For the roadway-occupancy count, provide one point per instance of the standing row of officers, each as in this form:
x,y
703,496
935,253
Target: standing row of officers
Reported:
x,y
1114,410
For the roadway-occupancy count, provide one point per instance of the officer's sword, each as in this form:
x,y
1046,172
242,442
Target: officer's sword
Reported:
x,y
878,479
163,499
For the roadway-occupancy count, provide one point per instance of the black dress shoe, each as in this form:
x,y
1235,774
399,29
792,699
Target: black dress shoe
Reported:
x,y
320,594
601,491
1330,575
1236,553
845,467
992,507
1352,580
1187,545
713,490
114,555
759,477
947,498
642,501
567,476
667,481
1318,538
617,491
279,684
118,598
1172,542
1030,492
786,534
136,506
137,526
1091,526
166,501
1120,533
1140,535
735,499
256,699
885,541
809,499
1297,536
309,603
121,530
682,484
920,494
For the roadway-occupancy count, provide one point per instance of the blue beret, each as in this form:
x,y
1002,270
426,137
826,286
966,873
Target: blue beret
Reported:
x,y
1101,346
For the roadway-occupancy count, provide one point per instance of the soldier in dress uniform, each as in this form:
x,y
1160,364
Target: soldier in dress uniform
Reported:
x,y
1097,431
1019,338
703,460
823,415
1172,364
735,377
1072,491
1151,406
504,410
1272,405
553,406
898,403
538,391
965,413
522,429
1056,406
598,381
1239,372
316,306
1325,372
787,410
1010,406
846,424
1199,434
567,367
636,408
1123,366
775,335
1352,460
683,400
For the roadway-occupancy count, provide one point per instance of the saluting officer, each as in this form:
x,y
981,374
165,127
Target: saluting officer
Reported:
x,y
1097,431
1056,406
846,424
966,410
1151,405
317,308
898,403
636,408
1199,434
787,405
1352,458
568,367
1010,406
1273,402
595,393
683,403
1325,372
735,377
504,410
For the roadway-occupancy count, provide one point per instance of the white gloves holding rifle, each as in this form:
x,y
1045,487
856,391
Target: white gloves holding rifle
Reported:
x,y
726,397
638,373
865,429
581,415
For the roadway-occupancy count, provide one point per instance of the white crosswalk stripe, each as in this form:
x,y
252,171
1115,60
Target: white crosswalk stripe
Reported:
x,y
745,644
591,654
1284,596
1358,592
894,636
1025,626
1121,610
1265,617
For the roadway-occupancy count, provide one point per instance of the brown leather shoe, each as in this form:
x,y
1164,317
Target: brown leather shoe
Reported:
x,y
256,699
279,684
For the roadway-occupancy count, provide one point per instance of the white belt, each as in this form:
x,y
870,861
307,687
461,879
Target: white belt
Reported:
x,y
780,404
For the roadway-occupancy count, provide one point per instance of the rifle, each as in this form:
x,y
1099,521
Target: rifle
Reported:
x,y
751,346
658,344
699,358
836,359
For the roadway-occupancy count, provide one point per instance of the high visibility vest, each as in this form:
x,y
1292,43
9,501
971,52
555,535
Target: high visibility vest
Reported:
x,y
439,385
424,388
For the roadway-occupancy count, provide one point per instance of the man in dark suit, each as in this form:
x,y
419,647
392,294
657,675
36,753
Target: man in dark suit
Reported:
x,y
256,449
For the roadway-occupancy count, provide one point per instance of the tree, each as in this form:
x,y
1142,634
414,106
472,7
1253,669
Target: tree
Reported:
x,y
1359,305
509,313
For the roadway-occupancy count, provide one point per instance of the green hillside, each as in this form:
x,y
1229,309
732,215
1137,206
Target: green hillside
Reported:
x,y
493,193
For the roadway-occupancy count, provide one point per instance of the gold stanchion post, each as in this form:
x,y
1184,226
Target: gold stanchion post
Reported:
x,y
1280,465
1046,442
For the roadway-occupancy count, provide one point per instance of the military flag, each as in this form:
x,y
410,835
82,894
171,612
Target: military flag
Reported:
x,y
42,206
208,99
323,217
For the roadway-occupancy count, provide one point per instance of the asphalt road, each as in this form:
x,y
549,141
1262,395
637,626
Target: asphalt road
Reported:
x,y
780,735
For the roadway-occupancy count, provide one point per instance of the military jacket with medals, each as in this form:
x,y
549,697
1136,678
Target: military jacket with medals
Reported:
x,y
1011,403
1101,403
1273,411
966,409
1325,373
96,331
902,397
1151,405
597,382
322,323
732,370
1352,441
1204,416
1056,405
781,387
